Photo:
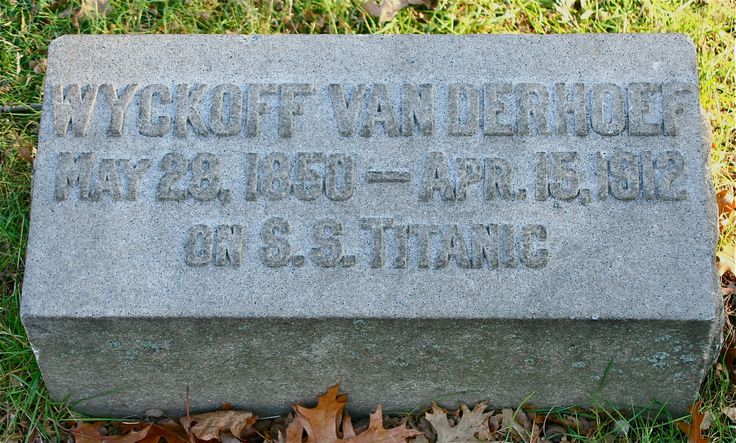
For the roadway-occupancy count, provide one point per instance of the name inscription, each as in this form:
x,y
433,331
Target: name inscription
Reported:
x,y
367,110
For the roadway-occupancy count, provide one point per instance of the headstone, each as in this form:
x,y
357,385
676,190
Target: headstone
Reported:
x,y
415,217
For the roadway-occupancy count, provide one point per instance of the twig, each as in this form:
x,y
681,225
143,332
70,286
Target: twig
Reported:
x,y
189,419
20,109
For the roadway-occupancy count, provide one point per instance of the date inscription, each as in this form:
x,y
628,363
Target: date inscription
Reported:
x,y
337,178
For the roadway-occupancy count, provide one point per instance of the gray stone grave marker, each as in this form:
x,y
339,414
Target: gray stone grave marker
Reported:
x,y
415,217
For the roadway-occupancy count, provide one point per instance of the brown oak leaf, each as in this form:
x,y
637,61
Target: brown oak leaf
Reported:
x,y
91,432
209,426
170,431
472,427
322,424
696,423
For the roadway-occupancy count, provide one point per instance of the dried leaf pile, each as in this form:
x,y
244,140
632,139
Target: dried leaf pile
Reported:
x,y
329,422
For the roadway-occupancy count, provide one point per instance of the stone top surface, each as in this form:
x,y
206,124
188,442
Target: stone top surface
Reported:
x,y
372,176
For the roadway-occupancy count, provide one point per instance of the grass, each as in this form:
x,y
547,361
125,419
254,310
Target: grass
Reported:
x,y
27,27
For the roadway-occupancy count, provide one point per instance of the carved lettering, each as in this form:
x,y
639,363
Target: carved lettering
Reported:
x,y
498,103
529,256
275,180
74,172
229,245
118,106
424,235
401,232
175,166
645,116
469,171
257,107
608,114
507,235
289,106
453,247
484,243
340,177
277,251
571,103
347,110
188,112
108,181
436,178
497,109
199,246
309,183
226,123
497,180
534,108
326,234
380,110
146,126
376,227
417,109
625,175
463,109
70,104
674,97
205,182
133,174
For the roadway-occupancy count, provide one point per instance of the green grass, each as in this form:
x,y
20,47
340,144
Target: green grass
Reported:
x,y
27,27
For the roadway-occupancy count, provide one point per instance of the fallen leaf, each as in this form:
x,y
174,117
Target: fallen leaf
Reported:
x,y
322,423
210,425
169,430
730,413
727,260
38,66
726,202
692,430
26,151
471,424
226,438
91,9
707,421
509,422
387,9
730,360
89,432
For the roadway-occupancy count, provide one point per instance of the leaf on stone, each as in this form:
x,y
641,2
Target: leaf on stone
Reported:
x,y
322,424
387,9
727,260
473,425
94,432
692,430
209,426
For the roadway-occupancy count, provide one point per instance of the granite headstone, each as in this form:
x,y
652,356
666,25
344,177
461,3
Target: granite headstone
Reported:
x,y
414,217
